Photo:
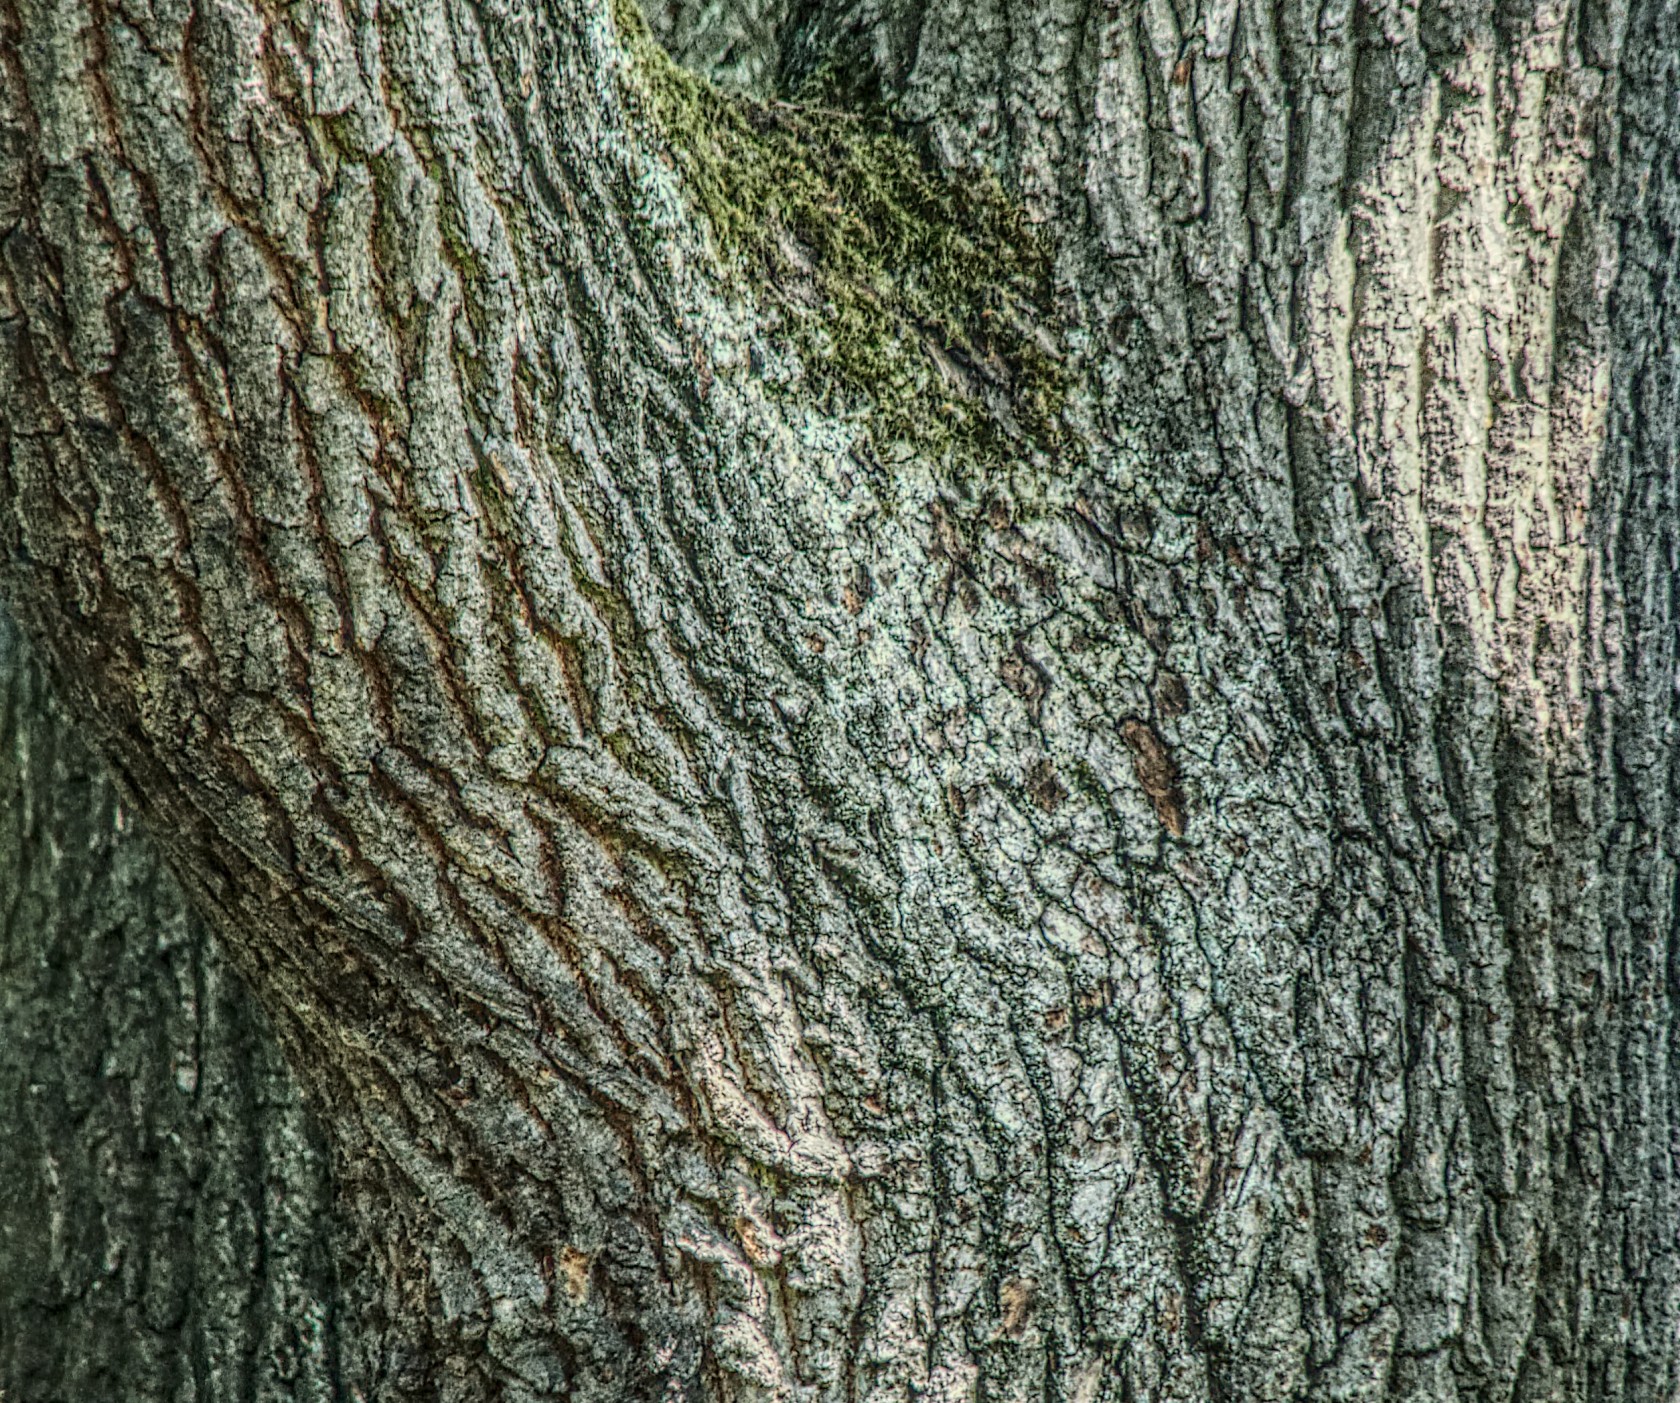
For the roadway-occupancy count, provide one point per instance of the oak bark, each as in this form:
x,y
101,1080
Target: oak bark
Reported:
x,y
165,1217
1002,727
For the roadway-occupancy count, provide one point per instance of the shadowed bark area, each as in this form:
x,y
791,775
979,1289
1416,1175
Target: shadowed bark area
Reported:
x,y
1033,761
165,1215
735,43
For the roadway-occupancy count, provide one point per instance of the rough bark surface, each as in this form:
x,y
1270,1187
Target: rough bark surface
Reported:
x,y
164,1207
1054,784
737,44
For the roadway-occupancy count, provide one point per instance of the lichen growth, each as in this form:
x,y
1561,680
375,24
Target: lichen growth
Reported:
x,y
920,299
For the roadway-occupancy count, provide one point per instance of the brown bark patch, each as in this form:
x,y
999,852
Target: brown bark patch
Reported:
x,y
574,1272
1025,678
1172,697
1015,1301
1045,786
760,1252
1157,772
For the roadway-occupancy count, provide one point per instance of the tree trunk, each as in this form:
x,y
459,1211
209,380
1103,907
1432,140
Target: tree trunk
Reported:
x,y
1019,746
164,1213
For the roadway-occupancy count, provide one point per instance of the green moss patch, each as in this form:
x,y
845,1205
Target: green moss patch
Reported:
x,y
923,300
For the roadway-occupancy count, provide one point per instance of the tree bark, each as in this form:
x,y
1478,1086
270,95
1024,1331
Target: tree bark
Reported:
x,y
1026,755
164,1208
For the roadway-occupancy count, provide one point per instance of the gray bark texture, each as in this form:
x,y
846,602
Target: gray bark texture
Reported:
x,y
164,1209
998,725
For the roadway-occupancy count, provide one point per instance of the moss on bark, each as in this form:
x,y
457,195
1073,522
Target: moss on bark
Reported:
x,y
925,302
